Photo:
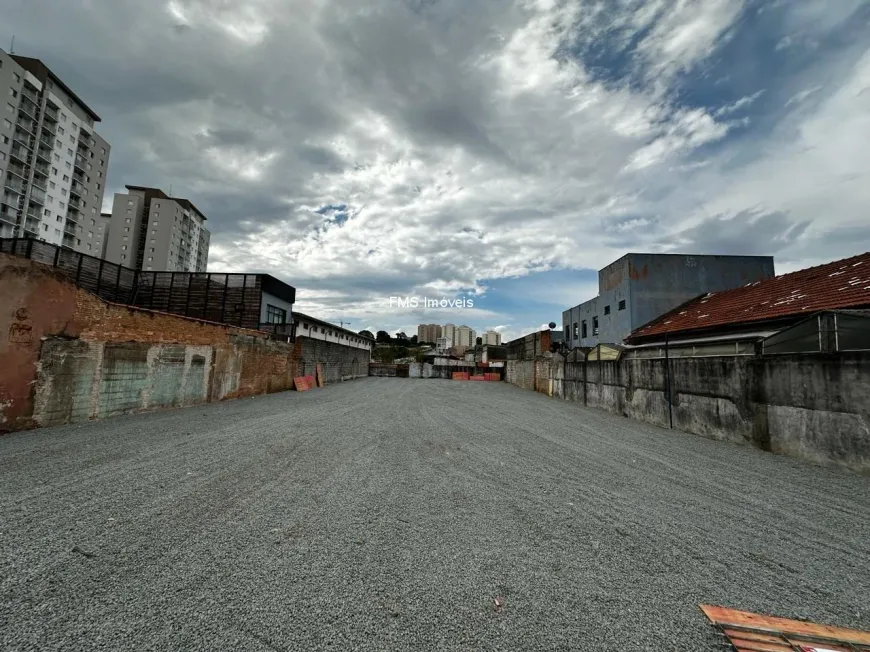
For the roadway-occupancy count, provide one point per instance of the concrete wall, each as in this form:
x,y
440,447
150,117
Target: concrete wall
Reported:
x,y
813,406
67,356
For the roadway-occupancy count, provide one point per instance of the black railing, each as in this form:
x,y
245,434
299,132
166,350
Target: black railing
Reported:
x,y
232,299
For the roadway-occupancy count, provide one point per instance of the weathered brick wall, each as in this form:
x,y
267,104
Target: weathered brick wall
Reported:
x,y
67,356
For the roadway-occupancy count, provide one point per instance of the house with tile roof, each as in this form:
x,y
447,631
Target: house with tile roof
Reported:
x,y
739,320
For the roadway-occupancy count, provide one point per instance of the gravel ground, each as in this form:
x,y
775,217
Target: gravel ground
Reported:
x,y
390,514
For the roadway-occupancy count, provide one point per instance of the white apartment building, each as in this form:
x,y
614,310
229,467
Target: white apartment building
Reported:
x,y
52,163
491,338
465,336
152,231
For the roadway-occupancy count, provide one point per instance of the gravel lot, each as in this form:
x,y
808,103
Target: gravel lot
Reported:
x,y
390,514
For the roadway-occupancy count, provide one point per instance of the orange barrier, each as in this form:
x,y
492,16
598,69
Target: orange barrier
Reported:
x,y
460,375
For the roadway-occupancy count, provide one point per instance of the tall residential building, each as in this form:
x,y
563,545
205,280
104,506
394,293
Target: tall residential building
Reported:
x,y
52,163
428,332
465,336
491,338
449,331
152,231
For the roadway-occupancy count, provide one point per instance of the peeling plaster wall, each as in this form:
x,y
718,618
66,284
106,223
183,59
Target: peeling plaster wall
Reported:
x,y
66,356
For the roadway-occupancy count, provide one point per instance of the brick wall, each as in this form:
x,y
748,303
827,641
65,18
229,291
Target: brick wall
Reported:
x,y
67,356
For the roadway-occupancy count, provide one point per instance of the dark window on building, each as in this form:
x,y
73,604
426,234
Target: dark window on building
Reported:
x,y
622,305
575,330
595,325
606,310
275,315
567,332
583,325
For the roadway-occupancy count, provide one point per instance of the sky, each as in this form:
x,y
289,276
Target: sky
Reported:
x,y
494,150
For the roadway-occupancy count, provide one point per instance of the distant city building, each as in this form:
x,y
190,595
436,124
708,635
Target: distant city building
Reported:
x,y
443,345
638,288
52,163
449,331
150,230
491,338
464,336
428,332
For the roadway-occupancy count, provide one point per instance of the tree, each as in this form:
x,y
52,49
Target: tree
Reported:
x,y
401,336
367,334
383,337
414,339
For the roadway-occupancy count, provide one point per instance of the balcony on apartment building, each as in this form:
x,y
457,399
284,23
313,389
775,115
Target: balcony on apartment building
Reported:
x,y
50,128
11,184
40,183
72,215
70,228
43,152
51,113
8,215
75,203
37,196
26,123
77,189
46,139
30,92
19,153
79,163
23,139
18,170
29,109
40,168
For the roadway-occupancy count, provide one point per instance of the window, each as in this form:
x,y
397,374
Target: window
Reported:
x,y
72,139
62,205
595,325
575,330
74,125
63,191
57,158
60,131
150,258
622,305
10,108
54,171
583,332
5,140
13,92
65,177
69,152
45,228
606,310
50,199
52,185
7,124
46,212
90,234
68,165
129,202
63,116
275,315
123,247
93,222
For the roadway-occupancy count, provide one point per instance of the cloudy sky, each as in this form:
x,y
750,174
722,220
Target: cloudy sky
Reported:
x,y
501,150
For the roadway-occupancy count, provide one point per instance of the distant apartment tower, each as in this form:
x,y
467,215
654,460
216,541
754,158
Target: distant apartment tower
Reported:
x,y
150,230
428,332
52,163
491,338
638,288
464,336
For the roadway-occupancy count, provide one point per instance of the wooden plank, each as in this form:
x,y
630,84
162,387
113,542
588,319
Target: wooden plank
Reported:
x,y
759,646
752,636
319,375
771,624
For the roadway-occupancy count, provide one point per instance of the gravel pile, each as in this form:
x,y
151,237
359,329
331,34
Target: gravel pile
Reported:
x,y
391,514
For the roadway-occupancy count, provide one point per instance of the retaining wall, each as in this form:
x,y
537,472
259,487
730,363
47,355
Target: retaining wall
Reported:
x,y
67,356
813,406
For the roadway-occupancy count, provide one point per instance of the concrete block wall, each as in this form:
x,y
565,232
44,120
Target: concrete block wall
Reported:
x,y
67,356
813,406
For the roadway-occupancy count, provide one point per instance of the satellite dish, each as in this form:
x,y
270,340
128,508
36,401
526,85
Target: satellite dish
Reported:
x,y
552,324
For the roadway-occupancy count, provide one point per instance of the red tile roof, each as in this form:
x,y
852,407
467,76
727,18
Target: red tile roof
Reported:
x,y
841,284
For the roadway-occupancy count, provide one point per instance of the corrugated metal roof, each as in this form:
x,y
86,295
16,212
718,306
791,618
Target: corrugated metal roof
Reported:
x,y
840,284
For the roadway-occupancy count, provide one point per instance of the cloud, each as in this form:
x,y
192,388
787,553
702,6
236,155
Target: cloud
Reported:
x,y
363,150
